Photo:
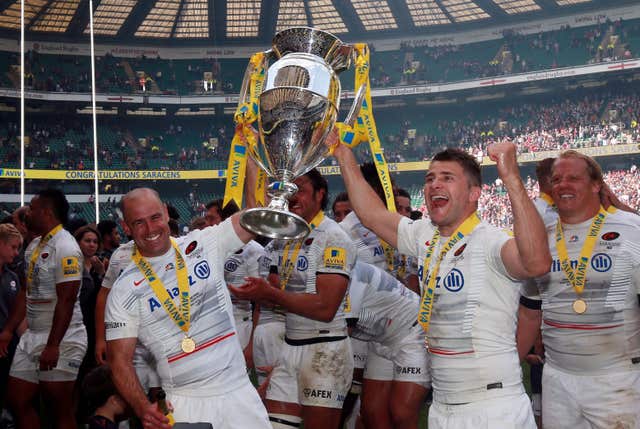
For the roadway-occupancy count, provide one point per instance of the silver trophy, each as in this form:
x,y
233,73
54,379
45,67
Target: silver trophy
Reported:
x,y
298,108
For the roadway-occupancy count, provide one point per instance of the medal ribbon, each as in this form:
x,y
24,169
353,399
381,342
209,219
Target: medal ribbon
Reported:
x,y
469,224
547,198
36,254
365,129
289,263
246,114
181,316
578,277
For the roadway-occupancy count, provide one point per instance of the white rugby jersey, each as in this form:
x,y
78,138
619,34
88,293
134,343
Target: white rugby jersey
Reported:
x,y
133,310
368,246
548,212
326,250
472,336
241,264
606,338
385,308
120,259
267,313
60,261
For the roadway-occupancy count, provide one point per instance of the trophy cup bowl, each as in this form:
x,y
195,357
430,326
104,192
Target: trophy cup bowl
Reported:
x,y
298,108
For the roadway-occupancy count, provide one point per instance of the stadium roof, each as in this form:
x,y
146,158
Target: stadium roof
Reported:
x,y
222,22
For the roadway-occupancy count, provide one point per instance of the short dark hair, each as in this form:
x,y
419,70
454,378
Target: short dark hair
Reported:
x,y
319,182
229,210
22,213
215,203
415,215
57,201
174,228
173,212
370,173
106,227
469,164
340,198
98,387
401,192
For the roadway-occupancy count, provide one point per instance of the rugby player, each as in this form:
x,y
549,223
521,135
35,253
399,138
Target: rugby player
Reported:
x,y
587,305
469,272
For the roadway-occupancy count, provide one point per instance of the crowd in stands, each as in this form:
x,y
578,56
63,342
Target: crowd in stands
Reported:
x,y
595,119
414,62
584,119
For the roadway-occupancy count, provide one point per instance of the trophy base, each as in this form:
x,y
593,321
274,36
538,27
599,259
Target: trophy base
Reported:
x,y
274,223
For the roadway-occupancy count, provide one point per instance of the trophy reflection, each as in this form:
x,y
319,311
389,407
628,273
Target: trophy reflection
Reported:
x,y
298,107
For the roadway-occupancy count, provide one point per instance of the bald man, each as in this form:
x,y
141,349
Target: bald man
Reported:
x,y
173,299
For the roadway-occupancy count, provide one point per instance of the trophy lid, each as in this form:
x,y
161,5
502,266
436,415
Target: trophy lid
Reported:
x,y
316,42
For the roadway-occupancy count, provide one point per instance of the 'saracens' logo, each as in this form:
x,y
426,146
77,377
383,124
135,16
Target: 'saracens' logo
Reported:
x,y
191,247
610,236
460,250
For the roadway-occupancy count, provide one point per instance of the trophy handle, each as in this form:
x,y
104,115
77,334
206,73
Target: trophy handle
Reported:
x,y
356,106
245,95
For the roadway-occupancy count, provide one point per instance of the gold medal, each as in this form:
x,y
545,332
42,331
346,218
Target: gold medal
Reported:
x,y
188,345
579,306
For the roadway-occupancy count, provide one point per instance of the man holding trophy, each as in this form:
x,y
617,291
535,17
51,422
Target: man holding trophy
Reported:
x,y
311,256
313,375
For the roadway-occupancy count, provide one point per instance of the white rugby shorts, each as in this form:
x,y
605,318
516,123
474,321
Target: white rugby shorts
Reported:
x,y
590,401
360,350
316,375
26,361
506,412
406,361
240,408
268,341
243,327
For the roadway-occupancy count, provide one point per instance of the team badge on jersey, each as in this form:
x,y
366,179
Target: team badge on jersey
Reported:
x,y
202,270
610,236
45,255
191,247
460,250
302,263
231,265
454,280
70,266
335,257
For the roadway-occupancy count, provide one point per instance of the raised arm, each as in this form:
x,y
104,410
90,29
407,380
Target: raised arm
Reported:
x,y
527,254
249,189
363,199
